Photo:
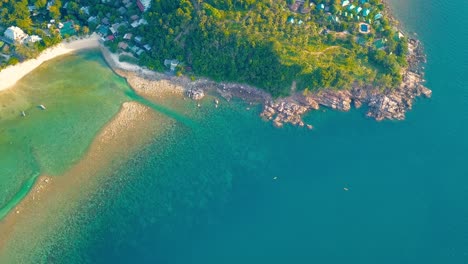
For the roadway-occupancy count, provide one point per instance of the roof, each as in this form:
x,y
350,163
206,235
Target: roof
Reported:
x,y
123,45
128,36
140,6
103,30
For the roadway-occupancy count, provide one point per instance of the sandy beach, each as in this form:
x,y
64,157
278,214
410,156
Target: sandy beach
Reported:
x,y
12,74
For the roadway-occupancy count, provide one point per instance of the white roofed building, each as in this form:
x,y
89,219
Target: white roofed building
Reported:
x,y
15,34
33,38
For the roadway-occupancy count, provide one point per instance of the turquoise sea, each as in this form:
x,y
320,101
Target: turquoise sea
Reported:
x,y
219,185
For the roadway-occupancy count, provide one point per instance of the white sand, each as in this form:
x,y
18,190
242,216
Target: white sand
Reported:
x,y
113,60
12,74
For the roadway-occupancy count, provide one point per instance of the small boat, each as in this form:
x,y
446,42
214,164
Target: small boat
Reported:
x,y
346,189
42,107
23,114
275,178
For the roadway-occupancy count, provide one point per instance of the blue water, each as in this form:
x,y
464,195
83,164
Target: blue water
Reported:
x,y
407,181
208,193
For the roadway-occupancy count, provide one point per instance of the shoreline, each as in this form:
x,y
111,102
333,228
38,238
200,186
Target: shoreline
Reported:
x,y
12,74
387,104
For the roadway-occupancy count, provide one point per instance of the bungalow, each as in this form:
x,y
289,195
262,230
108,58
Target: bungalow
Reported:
x,y
123,45
380,43
85,9
50,4
92,19
134,17
295,6
143,5
171,63
122,10
110,38
33,10
102,30
114,28
136,50
147,47
128,36
138,39
345,3
33,38
366,12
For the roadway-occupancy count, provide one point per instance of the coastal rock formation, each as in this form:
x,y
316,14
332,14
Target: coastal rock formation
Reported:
x,y
195,94
283,111
391,103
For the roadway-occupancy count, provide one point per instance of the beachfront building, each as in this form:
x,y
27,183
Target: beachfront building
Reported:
x,y
33,38
15,34
171,63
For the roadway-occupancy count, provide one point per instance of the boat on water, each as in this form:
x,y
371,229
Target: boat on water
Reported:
x,y
23,114
42,107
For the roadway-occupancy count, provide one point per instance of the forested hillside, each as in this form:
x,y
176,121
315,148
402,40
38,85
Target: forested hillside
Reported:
x,y
256,43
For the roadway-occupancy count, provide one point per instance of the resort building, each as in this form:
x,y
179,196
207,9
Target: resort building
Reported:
x,y
15,34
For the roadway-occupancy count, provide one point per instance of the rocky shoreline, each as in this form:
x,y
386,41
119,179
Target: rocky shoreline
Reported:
x,y
392,103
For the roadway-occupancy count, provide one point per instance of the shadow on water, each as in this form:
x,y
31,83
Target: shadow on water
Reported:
x,y
24,190
161,109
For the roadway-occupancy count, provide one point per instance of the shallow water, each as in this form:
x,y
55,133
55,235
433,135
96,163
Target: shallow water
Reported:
x,y
206,193
81,94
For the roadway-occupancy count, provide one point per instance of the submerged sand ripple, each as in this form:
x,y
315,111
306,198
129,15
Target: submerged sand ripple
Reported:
x,y
39,214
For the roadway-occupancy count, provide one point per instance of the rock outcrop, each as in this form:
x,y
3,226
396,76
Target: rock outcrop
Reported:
x,y
196,94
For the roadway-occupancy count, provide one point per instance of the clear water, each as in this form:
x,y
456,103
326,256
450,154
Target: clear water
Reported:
x,y
206,193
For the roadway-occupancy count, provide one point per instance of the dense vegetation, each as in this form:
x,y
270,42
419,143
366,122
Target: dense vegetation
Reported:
x,y
253,42
248,41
